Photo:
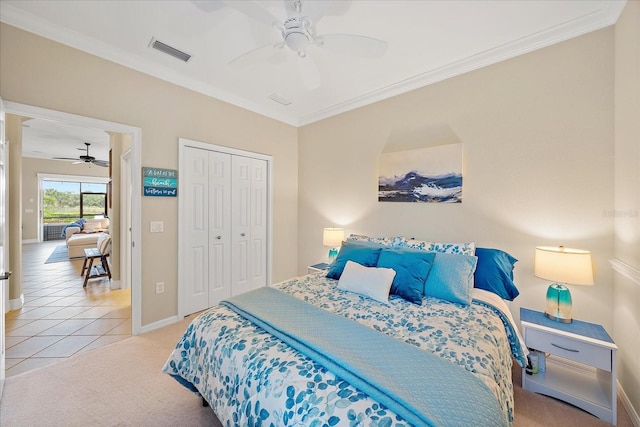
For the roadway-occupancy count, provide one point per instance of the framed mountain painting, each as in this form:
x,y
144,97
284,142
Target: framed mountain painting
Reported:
x,y
425,175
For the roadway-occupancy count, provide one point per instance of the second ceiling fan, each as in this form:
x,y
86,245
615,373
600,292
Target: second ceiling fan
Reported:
x,y
86,158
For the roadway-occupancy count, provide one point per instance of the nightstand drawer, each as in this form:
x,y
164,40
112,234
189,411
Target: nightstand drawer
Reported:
x,y
579,351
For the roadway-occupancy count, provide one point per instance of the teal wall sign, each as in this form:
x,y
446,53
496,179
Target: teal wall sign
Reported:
x,y
159,182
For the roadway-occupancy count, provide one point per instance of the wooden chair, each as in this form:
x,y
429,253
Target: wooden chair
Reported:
x,y
91,254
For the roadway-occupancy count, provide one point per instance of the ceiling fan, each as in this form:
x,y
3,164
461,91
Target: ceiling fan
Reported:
x,y
298,32
85,158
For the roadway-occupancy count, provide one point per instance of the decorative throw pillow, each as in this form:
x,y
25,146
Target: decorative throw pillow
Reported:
x,y
103,243
494,273
412,268
371,241
363,255
466,248
372,282
451,278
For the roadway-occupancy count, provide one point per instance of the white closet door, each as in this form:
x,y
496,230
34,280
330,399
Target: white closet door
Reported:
x,y
224,218
258,223
219,227
196,226
240,224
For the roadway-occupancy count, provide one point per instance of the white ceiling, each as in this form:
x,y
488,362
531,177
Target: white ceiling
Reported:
x,y
427,41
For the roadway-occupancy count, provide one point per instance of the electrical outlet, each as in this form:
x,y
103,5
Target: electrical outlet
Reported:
x,y
159,287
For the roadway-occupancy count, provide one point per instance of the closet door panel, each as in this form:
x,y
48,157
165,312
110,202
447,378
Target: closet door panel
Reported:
x,y
258,223
240,224
219,199
196,224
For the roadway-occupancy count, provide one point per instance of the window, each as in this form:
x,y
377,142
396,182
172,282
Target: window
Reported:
x,y
66,201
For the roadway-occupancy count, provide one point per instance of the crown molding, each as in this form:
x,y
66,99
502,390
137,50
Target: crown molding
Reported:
x,y
605,16
17,17
628,271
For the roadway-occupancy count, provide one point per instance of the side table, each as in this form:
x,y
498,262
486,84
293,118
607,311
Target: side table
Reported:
x,y
580,368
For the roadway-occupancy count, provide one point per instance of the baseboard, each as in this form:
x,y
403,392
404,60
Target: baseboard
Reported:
x,y
159,324
29,241
631,411
16,304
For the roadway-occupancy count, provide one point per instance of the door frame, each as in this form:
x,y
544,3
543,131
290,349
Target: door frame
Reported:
x,y
125,218
136,187
183,143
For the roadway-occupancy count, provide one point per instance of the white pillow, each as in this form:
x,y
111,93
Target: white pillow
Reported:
x,y
372,282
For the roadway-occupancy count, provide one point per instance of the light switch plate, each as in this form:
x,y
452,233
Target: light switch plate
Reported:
x,y
157,226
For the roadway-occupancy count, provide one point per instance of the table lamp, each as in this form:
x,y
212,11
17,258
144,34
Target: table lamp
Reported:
x,y
563,266
333,238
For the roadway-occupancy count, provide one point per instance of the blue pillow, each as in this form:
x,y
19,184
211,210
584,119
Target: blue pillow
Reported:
x,y
412,269
494,273
451,278
363,255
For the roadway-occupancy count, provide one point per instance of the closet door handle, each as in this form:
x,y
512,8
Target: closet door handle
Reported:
x,y
218,237
242,234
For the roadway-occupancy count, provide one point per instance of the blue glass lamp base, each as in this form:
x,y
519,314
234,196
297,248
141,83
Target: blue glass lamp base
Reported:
x,y
333,253
558,303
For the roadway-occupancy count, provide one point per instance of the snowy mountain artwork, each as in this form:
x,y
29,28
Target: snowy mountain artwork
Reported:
x,y
425,175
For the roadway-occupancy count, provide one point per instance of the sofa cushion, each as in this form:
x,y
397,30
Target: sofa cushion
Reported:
x,y
81,239
96,224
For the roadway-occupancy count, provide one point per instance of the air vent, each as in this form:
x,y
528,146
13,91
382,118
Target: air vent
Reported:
x,y
280,99
165,48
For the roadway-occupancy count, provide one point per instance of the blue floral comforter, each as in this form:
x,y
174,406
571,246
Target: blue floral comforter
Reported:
x,y
251,378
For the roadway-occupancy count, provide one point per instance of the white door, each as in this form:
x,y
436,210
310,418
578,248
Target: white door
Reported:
x,y
258,233
223,215
4,240
240,224
219,198
195,177
248,224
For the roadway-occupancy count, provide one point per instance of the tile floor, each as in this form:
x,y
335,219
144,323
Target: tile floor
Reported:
x,y
60,318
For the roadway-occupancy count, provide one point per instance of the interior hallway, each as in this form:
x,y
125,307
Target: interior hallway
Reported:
x,y
60,318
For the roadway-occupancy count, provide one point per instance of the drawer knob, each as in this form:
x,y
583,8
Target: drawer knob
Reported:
x,y
566,349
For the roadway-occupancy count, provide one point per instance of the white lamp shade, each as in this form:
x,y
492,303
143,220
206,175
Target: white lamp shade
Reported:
x,y
332,237
564,265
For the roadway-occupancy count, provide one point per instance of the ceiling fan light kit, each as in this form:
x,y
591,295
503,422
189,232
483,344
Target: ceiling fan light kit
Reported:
x,y
297,34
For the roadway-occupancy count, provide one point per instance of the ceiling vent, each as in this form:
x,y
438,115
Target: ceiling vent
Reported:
x,y
165,48
280,99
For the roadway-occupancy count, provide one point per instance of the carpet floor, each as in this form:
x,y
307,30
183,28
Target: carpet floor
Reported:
x,y
121,385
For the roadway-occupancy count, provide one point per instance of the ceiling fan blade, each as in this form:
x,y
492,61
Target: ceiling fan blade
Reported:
x,y
352,44
254,11
207,5
103,163
269,52
309,72
65,158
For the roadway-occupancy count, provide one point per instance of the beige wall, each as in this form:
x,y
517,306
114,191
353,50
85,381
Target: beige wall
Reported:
x,y
39,72
30,169
627,196
538,165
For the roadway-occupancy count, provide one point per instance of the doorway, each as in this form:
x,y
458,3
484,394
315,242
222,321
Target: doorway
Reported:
x,y
133,273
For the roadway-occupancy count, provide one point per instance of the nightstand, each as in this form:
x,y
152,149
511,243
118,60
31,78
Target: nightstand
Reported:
x,y
316,268
580,364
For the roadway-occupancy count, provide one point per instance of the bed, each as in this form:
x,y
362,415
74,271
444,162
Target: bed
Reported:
x,y
350,348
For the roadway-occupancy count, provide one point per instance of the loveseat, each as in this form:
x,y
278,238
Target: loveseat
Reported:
x,y
79,239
